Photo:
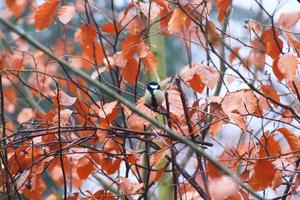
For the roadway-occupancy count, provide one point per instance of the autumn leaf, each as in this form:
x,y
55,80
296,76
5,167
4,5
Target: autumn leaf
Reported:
x,y
129,187
84,168
66,13
233,54
109,27
223,8
280,76
177,21
131,45
270,92
269,143
65,99
136,122
291,138
148,58
262,178
109,112
288,66
273,44
87,34
15,6
288,20
44,14
130,71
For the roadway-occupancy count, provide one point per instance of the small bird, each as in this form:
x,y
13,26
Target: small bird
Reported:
x,y
154,96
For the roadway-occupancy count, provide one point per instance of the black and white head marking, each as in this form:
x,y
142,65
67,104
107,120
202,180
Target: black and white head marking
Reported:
x,y
153,86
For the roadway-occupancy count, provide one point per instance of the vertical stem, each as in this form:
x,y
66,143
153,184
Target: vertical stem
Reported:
x,y
60,144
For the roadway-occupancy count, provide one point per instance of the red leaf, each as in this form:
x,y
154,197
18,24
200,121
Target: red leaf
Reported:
x,y
44,14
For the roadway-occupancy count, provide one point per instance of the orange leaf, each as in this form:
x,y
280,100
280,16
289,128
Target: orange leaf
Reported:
x,y
288,65
44,14
84,168
87,34
130,45
233,54
223,7
109,112
291,138
148,58
136,122
15,6
158,156
177,21
109,27
270,92
270,144
273,44
130,71
212,171
215,127
65,14
276,71
264,172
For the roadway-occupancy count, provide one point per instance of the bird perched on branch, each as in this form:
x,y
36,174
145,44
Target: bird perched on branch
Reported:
x,y
154,96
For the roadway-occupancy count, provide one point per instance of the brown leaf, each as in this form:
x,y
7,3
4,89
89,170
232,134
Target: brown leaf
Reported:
x,y
291,138
66,13
264,172
44,14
